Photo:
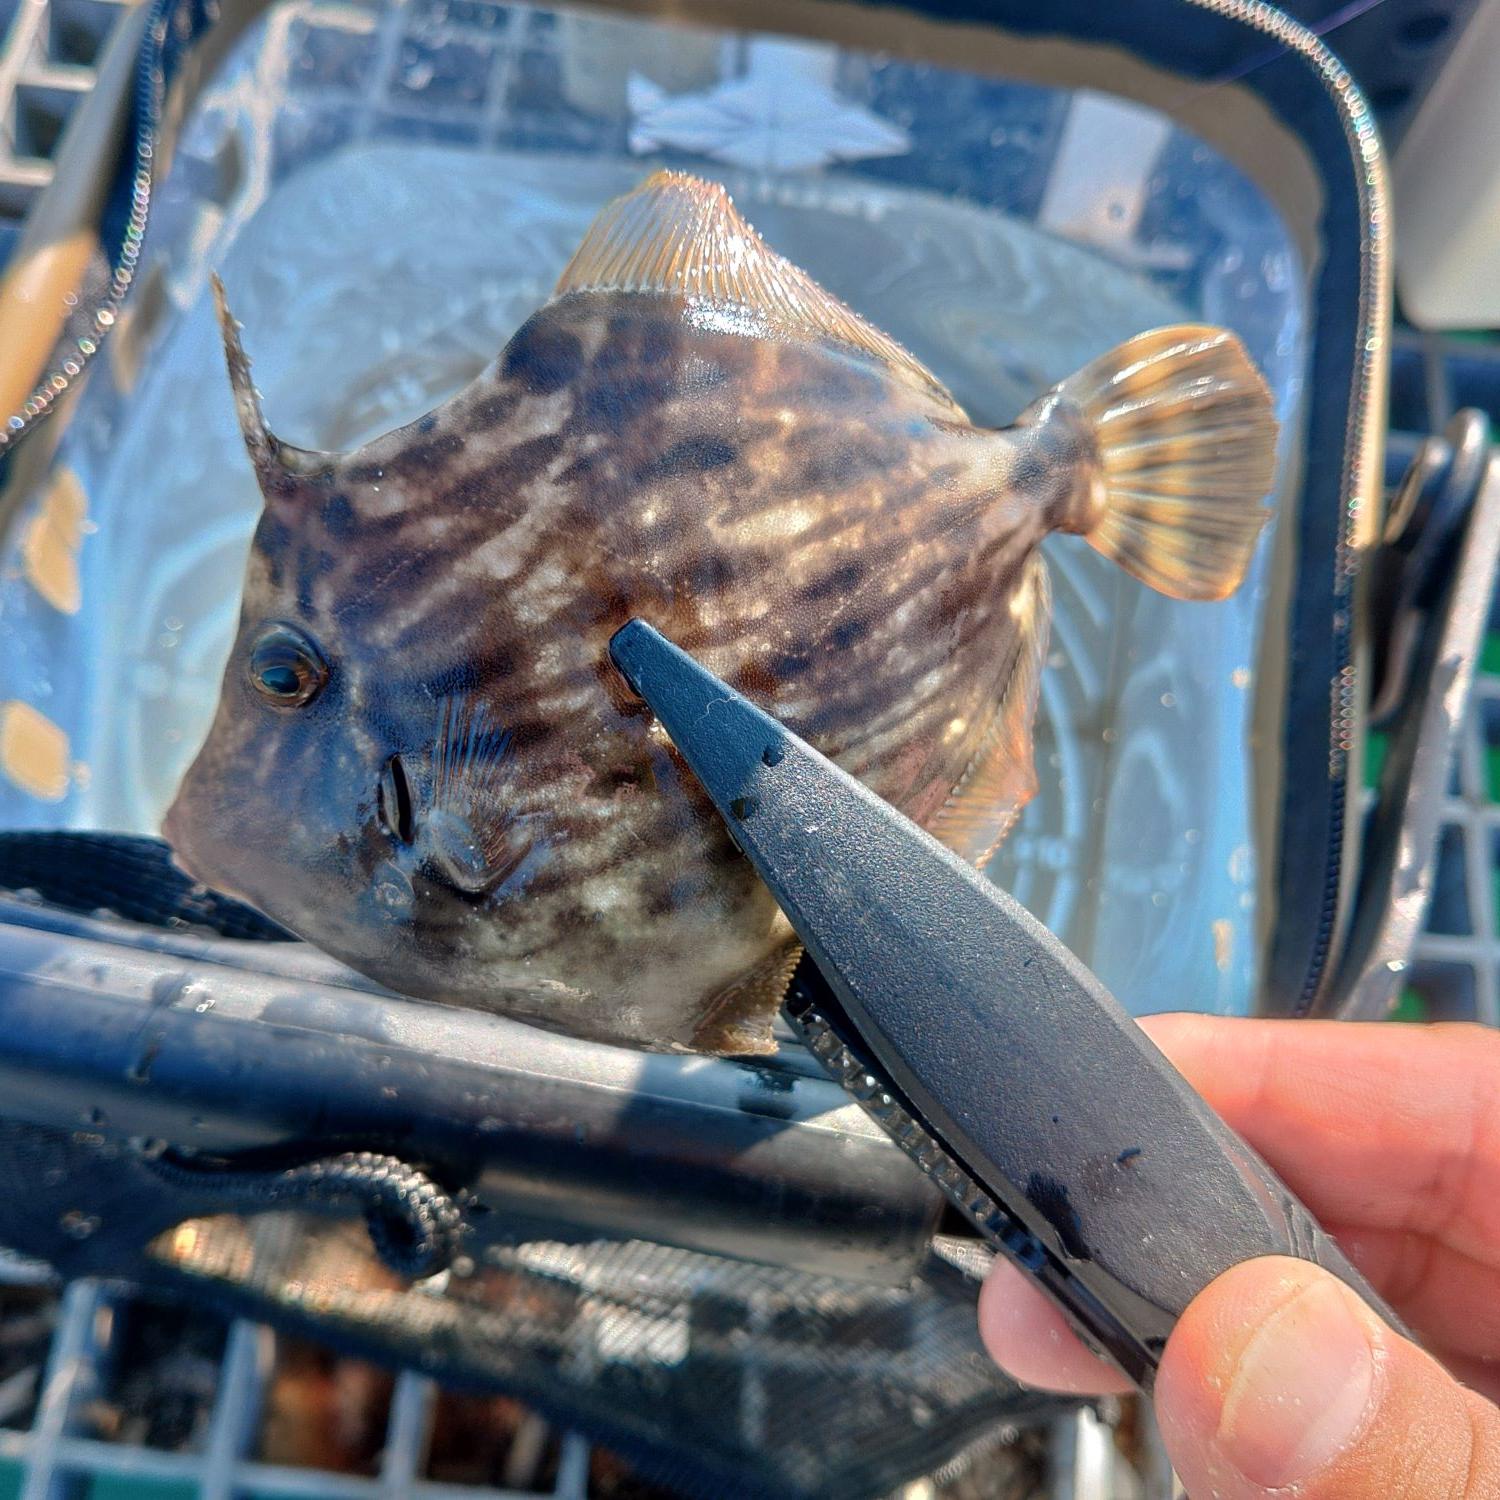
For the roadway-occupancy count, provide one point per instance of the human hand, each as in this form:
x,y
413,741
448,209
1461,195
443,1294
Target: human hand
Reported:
x,y
1278,1380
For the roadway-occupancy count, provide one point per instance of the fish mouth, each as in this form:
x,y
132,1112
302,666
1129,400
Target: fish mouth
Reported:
x,y
171,832
184,860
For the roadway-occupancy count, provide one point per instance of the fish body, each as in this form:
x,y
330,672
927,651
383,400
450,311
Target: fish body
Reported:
x,y
422,759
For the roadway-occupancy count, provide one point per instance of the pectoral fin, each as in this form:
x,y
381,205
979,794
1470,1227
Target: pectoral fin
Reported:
x,y
1001,776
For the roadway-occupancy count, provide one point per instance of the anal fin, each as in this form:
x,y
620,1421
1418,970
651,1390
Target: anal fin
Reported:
x,y
1001,776
737,1021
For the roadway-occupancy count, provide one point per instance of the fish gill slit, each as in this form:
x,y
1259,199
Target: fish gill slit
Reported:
x,y
396,806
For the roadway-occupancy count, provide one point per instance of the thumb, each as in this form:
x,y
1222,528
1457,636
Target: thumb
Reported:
x,y
1279,1380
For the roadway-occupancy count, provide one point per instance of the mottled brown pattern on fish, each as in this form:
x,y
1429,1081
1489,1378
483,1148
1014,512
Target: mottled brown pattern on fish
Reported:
x,y
813,520
646,467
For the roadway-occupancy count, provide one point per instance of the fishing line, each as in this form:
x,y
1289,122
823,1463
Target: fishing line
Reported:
x,y
1322,30
1306,39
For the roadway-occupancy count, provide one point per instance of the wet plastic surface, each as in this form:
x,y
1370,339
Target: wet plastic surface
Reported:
x,y
376,271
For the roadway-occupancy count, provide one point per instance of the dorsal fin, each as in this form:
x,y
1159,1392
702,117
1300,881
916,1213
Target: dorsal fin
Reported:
x,y
274,460
677,233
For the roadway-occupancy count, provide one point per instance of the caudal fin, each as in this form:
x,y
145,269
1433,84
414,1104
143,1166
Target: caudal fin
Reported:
x,y
1187,448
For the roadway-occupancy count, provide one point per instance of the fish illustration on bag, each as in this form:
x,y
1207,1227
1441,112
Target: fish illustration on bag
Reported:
x,y
422,760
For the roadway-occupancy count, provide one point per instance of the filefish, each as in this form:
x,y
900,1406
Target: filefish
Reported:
x,y
422,760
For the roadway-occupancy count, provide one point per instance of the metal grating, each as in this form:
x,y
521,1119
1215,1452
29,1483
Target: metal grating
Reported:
x,y
48,49
58,1454
1455,966
212,1408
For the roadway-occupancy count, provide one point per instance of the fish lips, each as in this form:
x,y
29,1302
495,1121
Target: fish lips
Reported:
x,y
177,829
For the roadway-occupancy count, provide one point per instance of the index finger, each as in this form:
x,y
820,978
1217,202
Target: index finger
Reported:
x,y
1374,1125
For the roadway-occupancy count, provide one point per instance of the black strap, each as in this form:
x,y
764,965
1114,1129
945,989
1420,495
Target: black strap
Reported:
x,y
124,876
414,1224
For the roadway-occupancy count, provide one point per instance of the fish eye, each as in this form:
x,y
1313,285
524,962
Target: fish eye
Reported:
x,y
286,667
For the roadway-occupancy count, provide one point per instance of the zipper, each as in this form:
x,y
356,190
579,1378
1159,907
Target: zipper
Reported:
x,y
161,46
1364,437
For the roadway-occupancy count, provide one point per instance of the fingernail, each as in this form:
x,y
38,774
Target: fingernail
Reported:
x,y
1301,1392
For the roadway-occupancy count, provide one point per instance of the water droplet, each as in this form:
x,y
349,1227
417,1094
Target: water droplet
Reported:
x,y
196,994
78,1225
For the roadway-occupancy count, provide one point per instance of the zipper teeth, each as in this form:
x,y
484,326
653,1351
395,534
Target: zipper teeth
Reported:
x,y
876,1096
1002,1229
1361,450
